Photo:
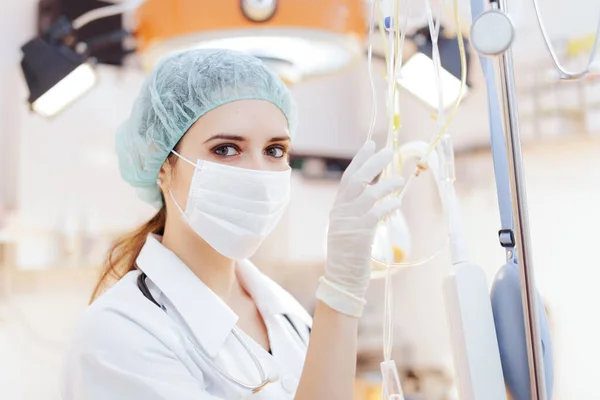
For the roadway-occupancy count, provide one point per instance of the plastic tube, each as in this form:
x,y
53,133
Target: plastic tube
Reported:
x,y
447,159
392,389
443,127
388,330
463,81
370,68
564,74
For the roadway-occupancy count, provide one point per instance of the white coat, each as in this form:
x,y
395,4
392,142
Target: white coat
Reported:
x,y
127,348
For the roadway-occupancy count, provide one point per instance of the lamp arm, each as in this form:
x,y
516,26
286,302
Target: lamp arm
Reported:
x,y
103,12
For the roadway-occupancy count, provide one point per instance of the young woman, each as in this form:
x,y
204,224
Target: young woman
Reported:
x,y
190,318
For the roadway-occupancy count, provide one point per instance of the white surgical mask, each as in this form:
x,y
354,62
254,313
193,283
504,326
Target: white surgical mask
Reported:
x,y
234,209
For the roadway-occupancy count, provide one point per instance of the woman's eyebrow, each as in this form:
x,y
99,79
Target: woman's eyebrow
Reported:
x,y
280,139
235,138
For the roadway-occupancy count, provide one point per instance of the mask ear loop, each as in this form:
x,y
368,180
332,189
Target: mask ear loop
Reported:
x,y
171,193
176,203
183,158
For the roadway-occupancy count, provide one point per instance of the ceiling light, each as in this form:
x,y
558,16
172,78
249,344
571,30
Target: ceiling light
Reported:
x,y
295,54
55,75
66,91
56,65
296,38
259,10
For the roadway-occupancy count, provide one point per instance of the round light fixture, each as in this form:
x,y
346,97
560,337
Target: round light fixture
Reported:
x,y
296,38
258,10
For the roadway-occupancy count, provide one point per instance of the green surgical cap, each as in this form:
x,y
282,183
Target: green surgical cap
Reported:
x,y
181,89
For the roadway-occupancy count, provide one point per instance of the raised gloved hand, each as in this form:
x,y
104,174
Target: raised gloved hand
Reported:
x,y
356,212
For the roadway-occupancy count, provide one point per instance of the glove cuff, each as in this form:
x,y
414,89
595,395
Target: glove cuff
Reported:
x,y
339,299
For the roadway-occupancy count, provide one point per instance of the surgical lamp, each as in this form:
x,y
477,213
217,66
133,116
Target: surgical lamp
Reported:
x,y
297,39
57,66
55,73
418,72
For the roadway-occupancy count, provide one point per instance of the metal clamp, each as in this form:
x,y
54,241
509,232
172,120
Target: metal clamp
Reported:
x,y
507,238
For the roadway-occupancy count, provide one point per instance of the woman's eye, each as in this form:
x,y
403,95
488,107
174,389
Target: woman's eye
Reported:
x,y
226,151
275,152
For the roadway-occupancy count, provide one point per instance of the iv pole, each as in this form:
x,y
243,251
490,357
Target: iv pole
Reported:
x,y
499,27
521,222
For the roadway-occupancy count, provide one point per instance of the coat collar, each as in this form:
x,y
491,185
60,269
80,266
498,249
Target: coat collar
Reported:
x,y
270,298
211,320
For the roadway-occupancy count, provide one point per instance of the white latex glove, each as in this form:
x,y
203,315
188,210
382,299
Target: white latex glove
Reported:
x,y
356,212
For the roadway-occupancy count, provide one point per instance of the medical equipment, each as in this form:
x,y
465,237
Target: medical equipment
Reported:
x,y
508,290
392,388
400,237
498,22
393,56
395,228
467,298
563,73
119,7
255,388
492,21
483,333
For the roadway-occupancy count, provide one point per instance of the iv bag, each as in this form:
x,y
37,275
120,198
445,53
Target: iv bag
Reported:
x,y
393,230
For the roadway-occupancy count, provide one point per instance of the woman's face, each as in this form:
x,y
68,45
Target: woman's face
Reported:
x,y
251,134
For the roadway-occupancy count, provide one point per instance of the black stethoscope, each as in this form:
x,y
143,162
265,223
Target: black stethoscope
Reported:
x,y
265,380
141,283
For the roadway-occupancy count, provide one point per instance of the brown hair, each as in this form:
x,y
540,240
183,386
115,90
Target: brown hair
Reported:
x,y
124,253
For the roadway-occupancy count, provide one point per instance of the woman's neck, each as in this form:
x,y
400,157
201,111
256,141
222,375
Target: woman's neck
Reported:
x,y
213,269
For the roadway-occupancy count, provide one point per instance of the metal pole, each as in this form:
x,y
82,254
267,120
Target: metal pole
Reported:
x,y
521,223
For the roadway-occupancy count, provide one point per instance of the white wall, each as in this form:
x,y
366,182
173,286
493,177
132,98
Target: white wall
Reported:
x,y
16,25
71,159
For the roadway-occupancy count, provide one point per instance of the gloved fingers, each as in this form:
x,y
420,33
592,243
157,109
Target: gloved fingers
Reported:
x,y
382,210
367,172
361,157
375,193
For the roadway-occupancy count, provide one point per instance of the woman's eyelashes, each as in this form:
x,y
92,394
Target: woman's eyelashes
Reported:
x,y
231,150
276,151
226,150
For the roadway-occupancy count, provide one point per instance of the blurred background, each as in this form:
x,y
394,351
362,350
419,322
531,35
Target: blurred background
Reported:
x,y
62,202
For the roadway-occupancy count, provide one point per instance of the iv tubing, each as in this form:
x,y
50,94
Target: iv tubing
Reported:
x,y
564,74
442,130
388,341
463,80
393,388
370,67
388,334
392,134
382,32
